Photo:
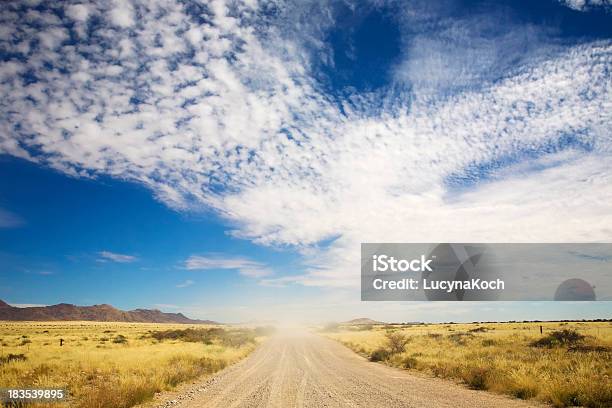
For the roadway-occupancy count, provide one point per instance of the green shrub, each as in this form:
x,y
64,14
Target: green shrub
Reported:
x,y
559,338
230,338
120,339
478,330
588,348
459,337
236,338
12,357
396,342
380,354
205,336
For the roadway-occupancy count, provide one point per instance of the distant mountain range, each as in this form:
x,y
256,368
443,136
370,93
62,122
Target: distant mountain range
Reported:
x,y
98,313
362,321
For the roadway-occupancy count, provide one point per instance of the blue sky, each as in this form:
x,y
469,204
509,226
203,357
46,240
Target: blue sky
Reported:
x,y
97,241
227,159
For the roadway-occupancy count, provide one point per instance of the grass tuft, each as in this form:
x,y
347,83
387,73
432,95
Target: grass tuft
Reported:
x,y
477,378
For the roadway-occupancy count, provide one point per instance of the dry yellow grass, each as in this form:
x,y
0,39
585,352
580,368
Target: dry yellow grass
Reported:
x,y
99,368
500,358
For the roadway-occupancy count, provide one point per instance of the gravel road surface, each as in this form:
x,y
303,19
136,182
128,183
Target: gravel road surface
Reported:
x,y
306,370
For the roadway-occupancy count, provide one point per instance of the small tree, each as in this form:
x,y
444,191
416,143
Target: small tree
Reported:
x,y
397,342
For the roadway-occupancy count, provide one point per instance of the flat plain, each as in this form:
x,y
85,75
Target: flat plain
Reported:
x,y
568,364
116,365
120,365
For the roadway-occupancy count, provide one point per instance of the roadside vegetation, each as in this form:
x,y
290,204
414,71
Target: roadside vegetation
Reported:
x,y
116,365
569,364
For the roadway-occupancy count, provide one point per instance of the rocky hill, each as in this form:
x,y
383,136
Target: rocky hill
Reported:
x,y
99,313
362,321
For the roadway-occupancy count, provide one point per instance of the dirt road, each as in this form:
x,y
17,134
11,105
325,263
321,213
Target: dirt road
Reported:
x,y
306,370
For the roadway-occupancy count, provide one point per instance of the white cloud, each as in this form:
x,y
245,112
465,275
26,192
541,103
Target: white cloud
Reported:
x,y
53,38
245,267
443,54
115,257
185,284
78,12
9,219
284,281
121,13
227,116
27,305
255,272
574,4
585,5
